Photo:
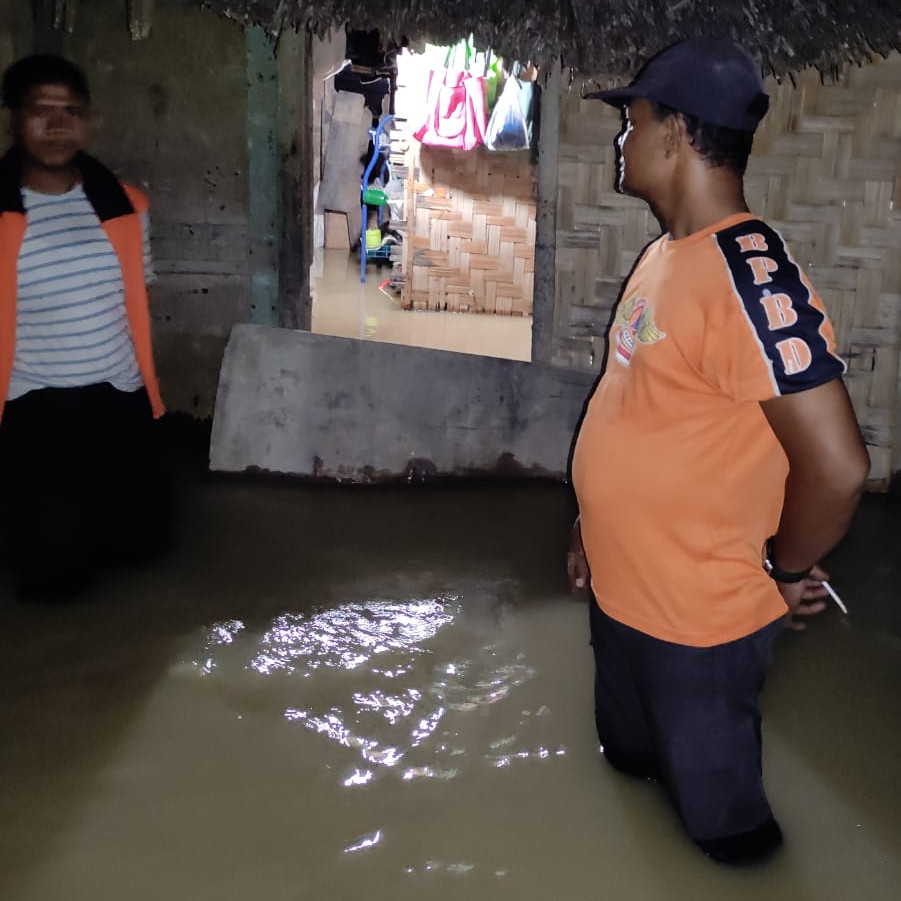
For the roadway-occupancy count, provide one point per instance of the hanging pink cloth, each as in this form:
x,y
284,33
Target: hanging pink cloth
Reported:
x,y
456,114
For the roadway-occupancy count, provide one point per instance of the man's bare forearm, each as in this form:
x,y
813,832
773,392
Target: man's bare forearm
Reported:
x,y
815,518
828,467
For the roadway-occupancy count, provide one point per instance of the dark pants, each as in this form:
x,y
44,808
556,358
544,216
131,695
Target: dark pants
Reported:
x,y
84,485
689,717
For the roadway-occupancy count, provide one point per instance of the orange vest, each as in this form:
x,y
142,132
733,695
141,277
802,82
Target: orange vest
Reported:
x,y
119,209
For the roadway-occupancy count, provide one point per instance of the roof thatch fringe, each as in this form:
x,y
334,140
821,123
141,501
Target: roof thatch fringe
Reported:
x,y
612,37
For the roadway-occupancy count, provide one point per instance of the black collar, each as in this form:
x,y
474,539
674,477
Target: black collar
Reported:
x,y
102,188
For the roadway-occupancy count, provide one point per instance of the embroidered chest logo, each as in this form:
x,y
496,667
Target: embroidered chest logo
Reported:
x,y
634,322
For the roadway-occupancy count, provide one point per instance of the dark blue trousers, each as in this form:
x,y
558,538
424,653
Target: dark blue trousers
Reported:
x,y
689,717
84,484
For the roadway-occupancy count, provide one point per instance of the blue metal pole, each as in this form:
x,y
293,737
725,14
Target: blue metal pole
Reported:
x,y
376,147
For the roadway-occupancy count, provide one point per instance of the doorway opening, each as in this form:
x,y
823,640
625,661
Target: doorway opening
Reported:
x,y
448,233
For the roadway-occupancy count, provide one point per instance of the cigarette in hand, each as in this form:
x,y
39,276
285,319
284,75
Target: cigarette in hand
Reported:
x,y
832,593
829,590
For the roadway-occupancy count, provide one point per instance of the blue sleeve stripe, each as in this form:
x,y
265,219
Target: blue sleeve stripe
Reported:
x,y
776,302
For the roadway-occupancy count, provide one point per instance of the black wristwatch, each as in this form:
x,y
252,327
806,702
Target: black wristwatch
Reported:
x,y
781,575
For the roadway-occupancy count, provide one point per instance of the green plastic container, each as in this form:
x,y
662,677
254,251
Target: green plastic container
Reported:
x,y
375,197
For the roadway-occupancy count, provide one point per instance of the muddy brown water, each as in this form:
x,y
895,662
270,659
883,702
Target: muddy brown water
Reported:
x,y
385,693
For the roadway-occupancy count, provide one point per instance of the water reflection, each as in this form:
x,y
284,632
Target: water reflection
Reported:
x,y
436,866
220,634
358,777
348,636
364,842
422,693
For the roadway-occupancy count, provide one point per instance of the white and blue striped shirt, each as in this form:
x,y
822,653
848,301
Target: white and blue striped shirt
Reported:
x,y
71,324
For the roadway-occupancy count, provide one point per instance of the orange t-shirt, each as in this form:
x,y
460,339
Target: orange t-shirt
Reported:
x,y
679,478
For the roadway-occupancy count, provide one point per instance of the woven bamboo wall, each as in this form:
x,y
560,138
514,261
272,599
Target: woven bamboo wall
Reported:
x,y
826,172
470,240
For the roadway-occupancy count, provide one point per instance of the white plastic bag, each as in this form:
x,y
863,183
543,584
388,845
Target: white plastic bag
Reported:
x,y
508,128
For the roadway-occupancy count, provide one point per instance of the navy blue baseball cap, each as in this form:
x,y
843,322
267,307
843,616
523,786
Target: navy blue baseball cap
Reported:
x,y
712,79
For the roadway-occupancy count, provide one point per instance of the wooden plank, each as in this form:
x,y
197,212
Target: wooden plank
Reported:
x,y
336,236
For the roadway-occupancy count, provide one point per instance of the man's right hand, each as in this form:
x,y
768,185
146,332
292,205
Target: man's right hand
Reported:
x,y
804,598
576,563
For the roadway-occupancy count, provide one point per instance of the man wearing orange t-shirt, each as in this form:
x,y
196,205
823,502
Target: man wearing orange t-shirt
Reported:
x,y
720,435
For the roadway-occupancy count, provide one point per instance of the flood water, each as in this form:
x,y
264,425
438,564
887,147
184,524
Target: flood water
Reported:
x,y
333,693
345,308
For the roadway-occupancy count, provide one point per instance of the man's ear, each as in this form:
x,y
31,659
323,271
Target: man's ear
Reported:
x,y
674,134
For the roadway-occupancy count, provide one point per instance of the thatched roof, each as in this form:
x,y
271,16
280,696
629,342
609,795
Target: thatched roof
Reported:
x,y
611,37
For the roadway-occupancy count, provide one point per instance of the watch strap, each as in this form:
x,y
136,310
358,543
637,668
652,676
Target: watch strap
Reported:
x,y
782,575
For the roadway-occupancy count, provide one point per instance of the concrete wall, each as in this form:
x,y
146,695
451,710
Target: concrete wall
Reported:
x,y
309,405
15,31
172,118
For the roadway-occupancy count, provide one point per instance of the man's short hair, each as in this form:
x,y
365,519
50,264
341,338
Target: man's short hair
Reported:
x,y
40,69
718,146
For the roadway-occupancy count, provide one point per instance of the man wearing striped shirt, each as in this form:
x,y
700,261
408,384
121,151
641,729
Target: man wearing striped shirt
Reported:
x,y
83,480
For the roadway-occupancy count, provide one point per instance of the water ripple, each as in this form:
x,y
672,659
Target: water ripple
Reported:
x,y
403,709
348,636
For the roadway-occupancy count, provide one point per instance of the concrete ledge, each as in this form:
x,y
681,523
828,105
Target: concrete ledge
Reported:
x,y
310,405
